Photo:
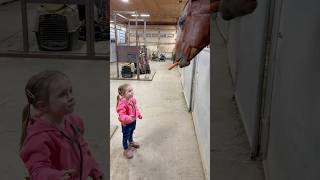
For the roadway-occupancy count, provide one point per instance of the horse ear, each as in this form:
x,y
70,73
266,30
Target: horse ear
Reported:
x,y
214,6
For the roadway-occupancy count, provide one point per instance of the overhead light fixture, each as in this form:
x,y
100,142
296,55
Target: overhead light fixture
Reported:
x,y
125,1
145,15
134,15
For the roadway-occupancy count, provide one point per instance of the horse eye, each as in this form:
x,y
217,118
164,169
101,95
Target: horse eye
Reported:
x,y
181,21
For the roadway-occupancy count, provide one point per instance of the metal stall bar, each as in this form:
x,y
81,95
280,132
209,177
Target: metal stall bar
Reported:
x,y
158,39
118,13
138,69
144,31
144,47
25,35
90,28
145,39
115,14
128,31
116,43
137,38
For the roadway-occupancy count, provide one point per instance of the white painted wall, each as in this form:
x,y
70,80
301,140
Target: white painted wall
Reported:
x,y
290,140
186,80
201,107
294,146
200,103
245,45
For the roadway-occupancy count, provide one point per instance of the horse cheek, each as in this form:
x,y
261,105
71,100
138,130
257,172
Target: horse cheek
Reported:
x,y
200,32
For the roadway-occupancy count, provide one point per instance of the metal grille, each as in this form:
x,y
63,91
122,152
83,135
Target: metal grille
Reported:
x,y
53,32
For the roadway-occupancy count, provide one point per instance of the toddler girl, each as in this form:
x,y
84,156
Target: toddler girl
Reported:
x,y
128,113
52,146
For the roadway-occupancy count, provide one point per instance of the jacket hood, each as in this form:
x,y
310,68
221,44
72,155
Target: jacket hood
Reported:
x,y
37,126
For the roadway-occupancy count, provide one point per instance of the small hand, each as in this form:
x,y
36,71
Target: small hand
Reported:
x,y
133,118
139,116
68,174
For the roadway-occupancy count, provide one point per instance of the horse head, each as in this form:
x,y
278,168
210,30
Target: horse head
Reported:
x,y
193,29
194,24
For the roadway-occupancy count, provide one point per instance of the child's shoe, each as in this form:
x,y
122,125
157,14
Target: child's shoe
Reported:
x,y
134,144
128,153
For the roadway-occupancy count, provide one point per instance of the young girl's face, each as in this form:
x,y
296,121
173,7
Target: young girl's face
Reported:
x,y
128,92
61,100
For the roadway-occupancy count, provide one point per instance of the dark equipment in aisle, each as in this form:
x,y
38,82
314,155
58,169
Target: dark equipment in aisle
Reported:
x,y
126,71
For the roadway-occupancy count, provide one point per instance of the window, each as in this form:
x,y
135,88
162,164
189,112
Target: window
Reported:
x,y
121,34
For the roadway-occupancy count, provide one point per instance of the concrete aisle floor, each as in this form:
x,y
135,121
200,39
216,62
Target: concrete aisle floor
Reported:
x,y
169,148
230,149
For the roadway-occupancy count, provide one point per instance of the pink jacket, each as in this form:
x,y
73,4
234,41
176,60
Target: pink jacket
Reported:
x,y
48,151
126,109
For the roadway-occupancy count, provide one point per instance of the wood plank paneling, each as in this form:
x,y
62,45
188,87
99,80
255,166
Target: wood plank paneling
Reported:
x,y
161,11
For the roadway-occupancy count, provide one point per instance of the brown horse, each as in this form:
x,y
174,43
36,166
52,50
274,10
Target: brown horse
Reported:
x,y
194,25
193,29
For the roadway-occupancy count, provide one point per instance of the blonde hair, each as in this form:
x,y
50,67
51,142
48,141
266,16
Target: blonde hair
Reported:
x,y
37,89
121,90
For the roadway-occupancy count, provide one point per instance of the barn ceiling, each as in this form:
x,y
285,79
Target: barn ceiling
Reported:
x,y
162,12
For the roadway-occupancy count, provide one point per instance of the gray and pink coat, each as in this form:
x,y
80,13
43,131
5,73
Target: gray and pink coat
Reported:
x,y
127,109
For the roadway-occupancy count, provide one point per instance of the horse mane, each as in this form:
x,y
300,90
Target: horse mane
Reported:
x,y
186,4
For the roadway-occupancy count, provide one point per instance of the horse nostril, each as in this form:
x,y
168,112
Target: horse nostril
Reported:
x,y
183,62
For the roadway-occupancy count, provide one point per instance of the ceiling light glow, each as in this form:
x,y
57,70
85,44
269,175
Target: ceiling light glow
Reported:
x,y
145,15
